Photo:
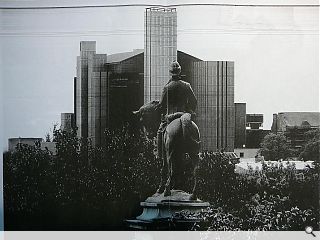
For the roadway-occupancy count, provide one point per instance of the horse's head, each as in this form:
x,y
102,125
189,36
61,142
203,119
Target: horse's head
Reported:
x,y
149,116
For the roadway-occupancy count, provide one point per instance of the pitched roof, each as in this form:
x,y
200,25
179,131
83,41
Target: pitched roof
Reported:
x,y
187,54
119,57
298,118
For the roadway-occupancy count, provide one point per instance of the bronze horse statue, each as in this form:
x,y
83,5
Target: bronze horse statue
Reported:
x,y
180,137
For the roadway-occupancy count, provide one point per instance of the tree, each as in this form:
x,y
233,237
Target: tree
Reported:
x,y
275,147
48,138
311,149
82,186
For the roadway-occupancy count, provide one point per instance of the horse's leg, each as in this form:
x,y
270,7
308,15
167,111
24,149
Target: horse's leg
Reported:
x,y
163,172
162,156
195,163
170,152
178,180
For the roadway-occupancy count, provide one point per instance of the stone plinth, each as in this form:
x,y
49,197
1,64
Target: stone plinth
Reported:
x,y
159,212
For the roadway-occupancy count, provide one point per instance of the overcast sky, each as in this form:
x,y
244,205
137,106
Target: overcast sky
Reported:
x,y
275,50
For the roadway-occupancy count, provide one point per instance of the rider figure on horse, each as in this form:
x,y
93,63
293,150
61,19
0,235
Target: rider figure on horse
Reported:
x,y
177,98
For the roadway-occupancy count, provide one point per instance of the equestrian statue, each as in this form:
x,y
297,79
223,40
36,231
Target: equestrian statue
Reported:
x,y
177,134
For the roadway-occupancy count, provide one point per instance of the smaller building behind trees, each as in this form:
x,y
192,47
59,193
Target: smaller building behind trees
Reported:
x,y
295,125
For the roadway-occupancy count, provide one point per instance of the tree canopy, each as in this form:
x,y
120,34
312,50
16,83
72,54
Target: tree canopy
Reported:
x,y
311,150
275,147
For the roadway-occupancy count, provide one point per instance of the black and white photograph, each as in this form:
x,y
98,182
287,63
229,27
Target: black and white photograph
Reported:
x,y
181,116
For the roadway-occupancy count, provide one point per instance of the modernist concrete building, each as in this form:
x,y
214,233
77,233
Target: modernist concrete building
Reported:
x,y
125,93
121,92
160,48
67,121
97,97
283,120
254,121
125,86
107,89
14,142
294,125
213,84
254,137
90,95
254,131
240,125
87,49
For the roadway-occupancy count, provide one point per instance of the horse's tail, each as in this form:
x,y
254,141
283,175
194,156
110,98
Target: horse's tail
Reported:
x,y
190,132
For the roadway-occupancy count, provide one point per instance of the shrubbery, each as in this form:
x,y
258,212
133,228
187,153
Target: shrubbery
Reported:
x,y
273,199
84,187
271,214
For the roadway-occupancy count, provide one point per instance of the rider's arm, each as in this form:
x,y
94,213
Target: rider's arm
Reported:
x,y
192,100
163,100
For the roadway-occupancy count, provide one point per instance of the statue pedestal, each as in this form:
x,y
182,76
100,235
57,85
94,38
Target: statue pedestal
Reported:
x,y
159,212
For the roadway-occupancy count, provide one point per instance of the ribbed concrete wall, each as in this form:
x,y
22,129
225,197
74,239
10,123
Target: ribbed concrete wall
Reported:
x,y
67,121
240,125
97,79
213,84
87,49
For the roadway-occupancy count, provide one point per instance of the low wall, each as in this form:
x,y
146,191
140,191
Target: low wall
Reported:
x,y
246,152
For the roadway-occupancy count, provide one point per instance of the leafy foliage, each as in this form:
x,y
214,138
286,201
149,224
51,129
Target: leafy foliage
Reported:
x,y
82,187
216,177
86,187
271,214
275,147
273,199
311,149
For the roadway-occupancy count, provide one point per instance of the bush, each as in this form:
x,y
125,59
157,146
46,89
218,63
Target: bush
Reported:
x,y
82,187
85,188
273,199
271,214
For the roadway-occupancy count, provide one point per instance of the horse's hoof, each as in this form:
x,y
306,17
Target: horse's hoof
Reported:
x,y
167,193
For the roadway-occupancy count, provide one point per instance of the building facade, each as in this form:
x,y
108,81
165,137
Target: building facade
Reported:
x,y
283,120
106,91
115,88
14,142
125,86
240,125
254,131
186,60
90,93
254,121
97,98
160,49
294,125
254,137
87,49
67,122
213,85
